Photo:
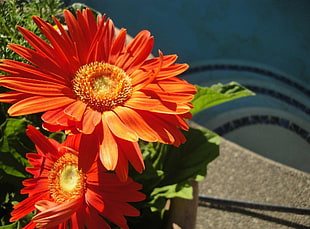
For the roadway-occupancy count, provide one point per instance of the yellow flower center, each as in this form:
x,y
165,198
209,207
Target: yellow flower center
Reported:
x,y
66,181
69,178
102,86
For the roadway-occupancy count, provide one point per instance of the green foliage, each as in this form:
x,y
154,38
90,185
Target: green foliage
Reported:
x,y
14,225
17,12
217,94
14,144
170,169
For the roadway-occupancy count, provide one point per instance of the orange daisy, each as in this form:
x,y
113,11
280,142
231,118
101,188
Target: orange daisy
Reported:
x,y
88,80
65,195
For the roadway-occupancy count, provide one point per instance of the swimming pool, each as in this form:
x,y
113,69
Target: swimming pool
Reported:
x,y
274,123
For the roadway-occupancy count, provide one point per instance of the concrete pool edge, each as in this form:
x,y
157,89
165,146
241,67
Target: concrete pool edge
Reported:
x,y
240,174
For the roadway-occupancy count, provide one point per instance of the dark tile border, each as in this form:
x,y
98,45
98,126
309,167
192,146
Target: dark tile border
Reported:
x,y
244,68
263,120
280,96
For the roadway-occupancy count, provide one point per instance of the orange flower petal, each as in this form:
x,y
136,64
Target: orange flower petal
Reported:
x,y
98,50
26,206
55,214
44,205
167,61
109,33
56,120
136,122
77,34
155,105
170,97
141,78
117,46
36,104
40,185
169,86
133,153
52,128
171,71
167,91
136,52
38,59
35,159
37,43
169,133
72,142
86,22
93,220
80,33
108,149
90,120
168,68
89,152
114,216
66,44
94,200
118,128
174,120
75,110
152,73
18,69
57,117
32,86
66,57
121,168
140,57
41,142
30,225
12,96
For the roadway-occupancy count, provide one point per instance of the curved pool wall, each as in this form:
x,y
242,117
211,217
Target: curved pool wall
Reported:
x,y
263,44
274,123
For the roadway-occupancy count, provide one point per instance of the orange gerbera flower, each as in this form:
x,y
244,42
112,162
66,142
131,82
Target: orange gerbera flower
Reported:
x,y
88,80
64,194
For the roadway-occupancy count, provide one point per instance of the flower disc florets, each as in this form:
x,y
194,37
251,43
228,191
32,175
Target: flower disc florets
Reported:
x,y
102,86
66,181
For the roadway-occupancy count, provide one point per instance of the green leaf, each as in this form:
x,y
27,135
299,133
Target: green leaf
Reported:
x,y
217,94
11,170
14,144
189,161
58,136
161,194
153,173
170,169
14,225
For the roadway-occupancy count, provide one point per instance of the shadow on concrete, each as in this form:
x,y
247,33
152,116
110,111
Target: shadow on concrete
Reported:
x,y
261,215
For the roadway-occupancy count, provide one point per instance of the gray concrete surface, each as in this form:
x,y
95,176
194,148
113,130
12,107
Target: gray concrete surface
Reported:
x,y
243,175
